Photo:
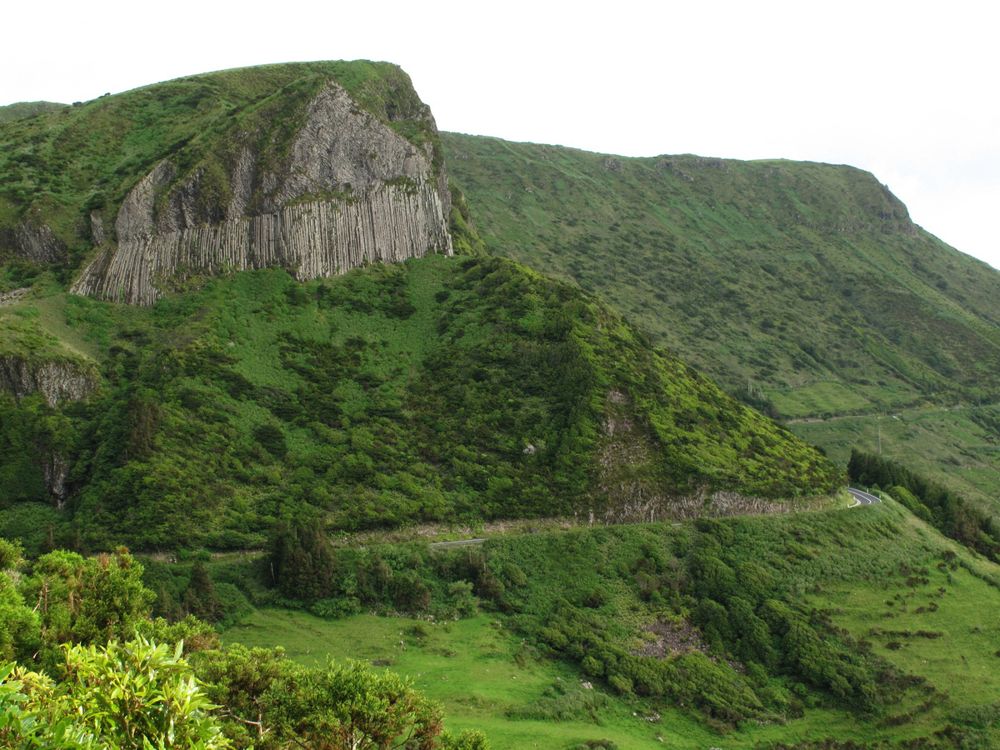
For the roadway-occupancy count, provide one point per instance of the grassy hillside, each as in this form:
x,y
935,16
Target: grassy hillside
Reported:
x,y
861,626
21,110
439,389
64,164
802,287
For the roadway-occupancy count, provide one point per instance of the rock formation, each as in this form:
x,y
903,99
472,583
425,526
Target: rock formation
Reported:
x,y
350,191
36,242
55,380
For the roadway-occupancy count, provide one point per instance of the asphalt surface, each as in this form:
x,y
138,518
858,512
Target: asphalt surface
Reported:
x,y
459,543
862,498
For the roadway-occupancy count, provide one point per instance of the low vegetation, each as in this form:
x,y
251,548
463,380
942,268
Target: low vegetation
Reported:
x,y
952,514
439,389
746,632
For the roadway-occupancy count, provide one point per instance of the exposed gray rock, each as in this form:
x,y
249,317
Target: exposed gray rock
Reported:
x,y
242,184
342,147
388,224
55,380
352,191
137,214
14,294
96,228
55,468
37,243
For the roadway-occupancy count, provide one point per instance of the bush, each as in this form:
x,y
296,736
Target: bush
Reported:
x,y
130,695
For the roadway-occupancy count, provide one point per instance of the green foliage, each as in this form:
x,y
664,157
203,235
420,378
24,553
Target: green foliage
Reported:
x,y
272,701
123,696
709,617
776,278
19,624
109,692
436,390
200,599
87,600
21,110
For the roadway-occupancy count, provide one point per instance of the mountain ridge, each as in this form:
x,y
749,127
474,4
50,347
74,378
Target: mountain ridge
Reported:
x,y
804,288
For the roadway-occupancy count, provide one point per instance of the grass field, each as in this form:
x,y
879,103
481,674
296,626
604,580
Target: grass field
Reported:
x,y
483,676
950,444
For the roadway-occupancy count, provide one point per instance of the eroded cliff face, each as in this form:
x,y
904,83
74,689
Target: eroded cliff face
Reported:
x,y
33,241
57,381
350,191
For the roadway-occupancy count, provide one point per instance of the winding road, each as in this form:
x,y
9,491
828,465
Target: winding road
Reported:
x,y
458,543
862,498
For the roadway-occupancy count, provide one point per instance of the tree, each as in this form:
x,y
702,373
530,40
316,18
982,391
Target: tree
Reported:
x,y
200,599
19,626
302,562
87,600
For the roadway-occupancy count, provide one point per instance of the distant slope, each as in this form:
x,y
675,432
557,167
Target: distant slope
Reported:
x,y
21,110
805,288
437,390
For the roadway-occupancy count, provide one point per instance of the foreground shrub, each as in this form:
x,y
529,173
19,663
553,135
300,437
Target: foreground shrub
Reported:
x,y
122,696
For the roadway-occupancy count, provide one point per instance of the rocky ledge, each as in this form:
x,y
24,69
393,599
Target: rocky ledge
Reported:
x,y
55,380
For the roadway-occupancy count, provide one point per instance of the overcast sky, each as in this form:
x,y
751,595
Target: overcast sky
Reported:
x,y
905,90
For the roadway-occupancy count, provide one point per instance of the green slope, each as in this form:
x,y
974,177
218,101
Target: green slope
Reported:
x,y
21,110
439,389
802,287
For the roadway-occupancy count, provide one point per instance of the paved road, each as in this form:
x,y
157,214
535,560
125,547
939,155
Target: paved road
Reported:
x,y
862,498
459,543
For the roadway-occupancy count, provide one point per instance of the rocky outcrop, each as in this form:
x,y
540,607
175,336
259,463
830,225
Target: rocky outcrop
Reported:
x,y
351,191
55,380
37,243
322,238
55,470
13,295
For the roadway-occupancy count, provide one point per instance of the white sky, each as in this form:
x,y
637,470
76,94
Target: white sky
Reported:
x,y
907,90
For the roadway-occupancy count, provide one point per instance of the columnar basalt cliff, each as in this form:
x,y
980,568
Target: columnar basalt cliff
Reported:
x,y
350,191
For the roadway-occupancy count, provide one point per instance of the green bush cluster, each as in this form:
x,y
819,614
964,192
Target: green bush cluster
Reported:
x,y
304,569
708,617
96,672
